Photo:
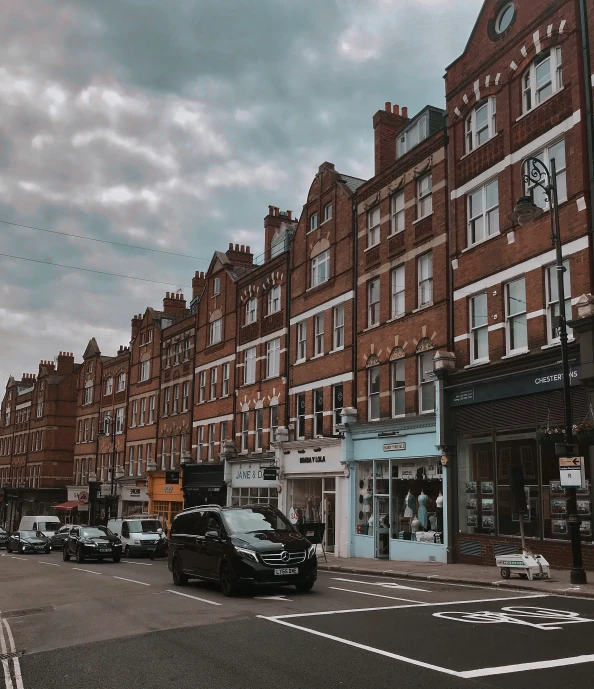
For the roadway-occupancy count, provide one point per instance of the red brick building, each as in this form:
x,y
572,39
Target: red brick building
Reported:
x,y
37,439
517,91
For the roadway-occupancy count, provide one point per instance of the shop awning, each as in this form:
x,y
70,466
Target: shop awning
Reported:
x,y
69,505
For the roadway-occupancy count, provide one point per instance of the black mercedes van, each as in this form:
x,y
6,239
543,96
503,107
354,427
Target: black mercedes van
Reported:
x,y
240,546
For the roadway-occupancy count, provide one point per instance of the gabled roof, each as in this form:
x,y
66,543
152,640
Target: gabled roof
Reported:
x,y
92,349
353,183
469,41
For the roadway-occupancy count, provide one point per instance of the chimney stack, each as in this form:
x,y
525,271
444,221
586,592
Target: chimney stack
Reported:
x,y
386,124
241,254
272,222
174,303
198,282
136,321
65,363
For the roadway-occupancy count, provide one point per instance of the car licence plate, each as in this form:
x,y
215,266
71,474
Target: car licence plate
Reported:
x,y
105,550
286,570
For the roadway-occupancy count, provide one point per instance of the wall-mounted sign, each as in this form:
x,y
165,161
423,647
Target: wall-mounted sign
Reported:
x,y
248,475
172,477
168,489
393,447
316,459
83,496
269,474
571,472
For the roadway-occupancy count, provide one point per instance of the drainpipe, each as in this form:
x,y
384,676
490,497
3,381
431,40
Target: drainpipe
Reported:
x,y
288,322
355,301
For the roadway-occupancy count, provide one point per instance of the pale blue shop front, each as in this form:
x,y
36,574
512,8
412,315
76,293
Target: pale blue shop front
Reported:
x,y
392,464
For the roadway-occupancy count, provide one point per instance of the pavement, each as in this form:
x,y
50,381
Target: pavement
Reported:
x,y
102,624
558,583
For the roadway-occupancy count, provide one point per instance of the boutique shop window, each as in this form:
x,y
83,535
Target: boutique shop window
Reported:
x,y
364,498
417,500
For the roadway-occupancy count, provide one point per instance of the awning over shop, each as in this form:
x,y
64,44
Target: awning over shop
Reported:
x,y
67,506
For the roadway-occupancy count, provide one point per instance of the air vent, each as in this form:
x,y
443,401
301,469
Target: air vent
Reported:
x,y
505,549
470,547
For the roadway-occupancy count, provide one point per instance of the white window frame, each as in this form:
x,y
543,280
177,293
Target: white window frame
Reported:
x,y
175,405
373,396
202,386
151,409
259,438
131,461
338,322
532,95
109,386
484,216
510,318
328,212
200,442
134,413
423,383
319,319
187,348
274,300
121,382
397,291
172,451
251,311
397,213
301,341
273,358
373,302
551,288
373,226
226,375
313,222
320,268
216,287
249,366
479,327
185,396
245,430
216,331
119,420
412,136
425,278
88,393
145,370
214,379
143,411
425,196
474,130
397,368
166,401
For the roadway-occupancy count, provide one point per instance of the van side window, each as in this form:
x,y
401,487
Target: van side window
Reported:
x,y
181,524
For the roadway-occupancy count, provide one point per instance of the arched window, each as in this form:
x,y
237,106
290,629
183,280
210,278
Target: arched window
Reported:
x,y
274,299
542,79
251,311
481,124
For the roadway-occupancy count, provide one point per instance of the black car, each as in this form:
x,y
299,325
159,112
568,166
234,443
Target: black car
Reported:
x,y
89,542
237,546
3,537
28,542
60,536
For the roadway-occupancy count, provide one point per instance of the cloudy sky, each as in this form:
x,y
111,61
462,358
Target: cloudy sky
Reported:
x,y
173,125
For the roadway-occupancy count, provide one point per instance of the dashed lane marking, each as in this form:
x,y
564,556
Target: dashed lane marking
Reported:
x,y
187,595
144,564
89,571
132,581
51,564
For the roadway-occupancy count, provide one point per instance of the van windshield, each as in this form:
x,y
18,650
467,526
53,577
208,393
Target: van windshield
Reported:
x,y
144,525
48,526
248,520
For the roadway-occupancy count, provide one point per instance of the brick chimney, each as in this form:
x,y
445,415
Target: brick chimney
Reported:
x,y
386,124
136,321
272,223
198,282
65,363
240,254
174,303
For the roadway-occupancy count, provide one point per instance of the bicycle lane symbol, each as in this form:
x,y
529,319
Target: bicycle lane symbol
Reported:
x,y
550,620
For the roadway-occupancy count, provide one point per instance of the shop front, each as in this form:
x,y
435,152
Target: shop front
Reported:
x,y
511,421
133,497
204,484
246,482
22,502
399,491
76,509
314,489
164,492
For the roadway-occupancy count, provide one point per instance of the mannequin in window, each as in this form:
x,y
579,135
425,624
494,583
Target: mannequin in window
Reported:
x,y
410,504
439,511
423,509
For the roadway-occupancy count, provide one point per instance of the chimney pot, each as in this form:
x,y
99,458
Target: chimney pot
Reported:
x,y
242,248
247,250
290,214
270,209
396,110
230,246
388,106
404,111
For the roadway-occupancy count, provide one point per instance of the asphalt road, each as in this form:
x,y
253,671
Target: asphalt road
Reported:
x,y
126,625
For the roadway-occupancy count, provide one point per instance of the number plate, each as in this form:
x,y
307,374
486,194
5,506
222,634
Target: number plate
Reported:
x,y
286,570
105,550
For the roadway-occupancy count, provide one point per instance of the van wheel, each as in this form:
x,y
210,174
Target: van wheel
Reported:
x,y
80,558
65,554
304,586
48,551
229,584
179,578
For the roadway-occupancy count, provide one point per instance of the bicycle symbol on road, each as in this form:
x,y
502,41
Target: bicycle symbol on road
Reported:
x,y
550,619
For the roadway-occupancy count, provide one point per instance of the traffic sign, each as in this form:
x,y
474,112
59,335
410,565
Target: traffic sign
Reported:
x,y
571,472
569,462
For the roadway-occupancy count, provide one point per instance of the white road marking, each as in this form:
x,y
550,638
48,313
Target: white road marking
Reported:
x,y
90,571
132,581
26,559
413,605
283,598
51,564
144,564
187,595
15,660
524,667
5,662
395,656
376,595
387,584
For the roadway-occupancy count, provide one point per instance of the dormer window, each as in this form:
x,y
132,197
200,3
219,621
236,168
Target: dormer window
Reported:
x,y
412,136
542,79
481,124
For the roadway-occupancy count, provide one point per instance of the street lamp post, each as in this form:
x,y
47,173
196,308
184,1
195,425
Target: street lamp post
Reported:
x,y
536,174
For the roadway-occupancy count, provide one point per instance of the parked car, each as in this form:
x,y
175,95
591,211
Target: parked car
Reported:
x,y
29,542
240,546
139,535
3,537
60,536
89,542
46,523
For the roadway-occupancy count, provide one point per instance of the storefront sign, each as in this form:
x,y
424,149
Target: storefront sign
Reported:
x,y
249,475
547,378
172,477
168,489
571,472
392,447
269,474
134,494
313,461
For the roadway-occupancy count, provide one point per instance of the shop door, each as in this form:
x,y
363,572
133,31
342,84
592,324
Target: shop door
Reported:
x,y
381,518
329,503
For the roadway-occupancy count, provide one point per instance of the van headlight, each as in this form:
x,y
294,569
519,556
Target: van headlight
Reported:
x,y
247,553
311,551
136,541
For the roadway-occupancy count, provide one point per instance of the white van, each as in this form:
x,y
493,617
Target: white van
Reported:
x,y
47,524
139,535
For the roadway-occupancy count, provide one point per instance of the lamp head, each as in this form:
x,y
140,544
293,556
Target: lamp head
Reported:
x,y
525,211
